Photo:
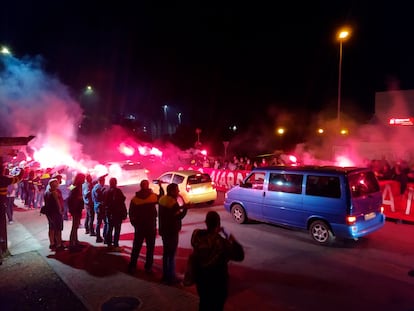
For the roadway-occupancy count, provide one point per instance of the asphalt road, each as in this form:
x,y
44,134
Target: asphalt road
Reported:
x,y
283,269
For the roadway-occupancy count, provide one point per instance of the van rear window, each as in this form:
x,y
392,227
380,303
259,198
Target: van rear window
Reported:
x,y
363,183
323,186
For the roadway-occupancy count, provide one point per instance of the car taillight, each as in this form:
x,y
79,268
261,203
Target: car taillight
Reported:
x,y
188,188
213,185
382,209
350,220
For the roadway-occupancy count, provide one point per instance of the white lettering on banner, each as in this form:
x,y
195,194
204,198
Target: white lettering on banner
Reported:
x,y
387,190
223,179
230,180
409,200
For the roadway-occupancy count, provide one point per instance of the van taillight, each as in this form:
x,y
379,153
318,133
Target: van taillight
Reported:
x,y
350,220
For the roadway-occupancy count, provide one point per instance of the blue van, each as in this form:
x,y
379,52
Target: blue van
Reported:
x,y
328,201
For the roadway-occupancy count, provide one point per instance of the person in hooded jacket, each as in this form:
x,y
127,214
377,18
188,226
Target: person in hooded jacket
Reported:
x,y
170,216
116,212
75,205
213,248
143,216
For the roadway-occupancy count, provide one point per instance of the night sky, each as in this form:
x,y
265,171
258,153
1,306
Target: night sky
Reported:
x,y
220,62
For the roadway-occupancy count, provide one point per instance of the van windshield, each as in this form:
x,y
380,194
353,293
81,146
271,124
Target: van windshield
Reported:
x,y
363,183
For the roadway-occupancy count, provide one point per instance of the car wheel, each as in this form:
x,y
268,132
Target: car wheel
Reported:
x,y
210,202
321,233
239,214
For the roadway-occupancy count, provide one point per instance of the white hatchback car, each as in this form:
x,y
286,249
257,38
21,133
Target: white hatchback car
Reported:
x,y
195,187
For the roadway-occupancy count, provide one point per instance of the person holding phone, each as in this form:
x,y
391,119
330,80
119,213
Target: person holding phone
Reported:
x,y
213,248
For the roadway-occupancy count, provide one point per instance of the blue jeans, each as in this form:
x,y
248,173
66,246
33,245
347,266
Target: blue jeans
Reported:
x,y
101,218
170,244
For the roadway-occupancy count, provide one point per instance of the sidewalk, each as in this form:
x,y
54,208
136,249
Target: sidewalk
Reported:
x,y
95,278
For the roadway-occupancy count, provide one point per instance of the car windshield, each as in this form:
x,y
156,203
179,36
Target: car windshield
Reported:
x,y
198,179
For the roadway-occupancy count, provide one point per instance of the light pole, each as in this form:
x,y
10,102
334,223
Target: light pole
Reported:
x,y
165,107
343,34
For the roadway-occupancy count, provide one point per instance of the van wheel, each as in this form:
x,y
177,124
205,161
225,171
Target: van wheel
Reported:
x,y
239,214
321,233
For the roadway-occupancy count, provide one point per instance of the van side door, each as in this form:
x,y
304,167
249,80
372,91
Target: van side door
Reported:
x,y
251,193
283,198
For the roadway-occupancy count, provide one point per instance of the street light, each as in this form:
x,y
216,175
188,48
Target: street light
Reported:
x,y
5,50
342,35
165,107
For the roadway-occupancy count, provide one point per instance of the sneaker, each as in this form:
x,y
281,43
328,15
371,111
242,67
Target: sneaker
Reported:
x,y
10,222
99,240
87,232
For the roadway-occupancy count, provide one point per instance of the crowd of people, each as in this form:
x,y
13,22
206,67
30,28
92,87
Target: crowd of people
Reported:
x,y
400,171
105,208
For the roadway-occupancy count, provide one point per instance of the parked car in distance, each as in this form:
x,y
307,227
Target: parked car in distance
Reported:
x,y
195,187
329,202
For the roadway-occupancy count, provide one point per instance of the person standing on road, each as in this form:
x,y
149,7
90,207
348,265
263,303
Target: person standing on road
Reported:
x,y
75,205
88,202
212,252
5,181
98,197
116,212
54,213
143,217
11,195
170,216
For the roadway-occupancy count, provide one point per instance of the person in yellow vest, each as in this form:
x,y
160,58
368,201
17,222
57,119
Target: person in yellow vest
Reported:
x,y
170,216
143,216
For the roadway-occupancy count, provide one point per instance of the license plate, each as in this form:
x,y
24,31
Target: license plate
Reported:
x,y
369,216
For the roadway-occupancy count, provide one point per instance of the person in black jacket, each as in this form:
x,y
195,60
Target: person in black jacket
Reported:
x,y
54,212
75,206
116,212
170,216
143,216
212,250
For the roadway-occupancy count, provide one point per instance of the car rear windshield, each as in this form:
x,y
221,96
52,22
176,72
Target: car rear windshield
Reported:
x,y
198,179
363,183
